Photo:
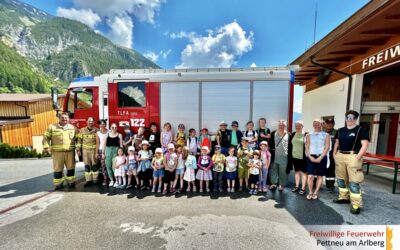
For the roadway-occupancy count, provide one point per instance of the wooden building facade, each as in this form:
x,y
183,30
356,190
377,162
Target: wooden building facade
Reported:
x,y
357,66
25,117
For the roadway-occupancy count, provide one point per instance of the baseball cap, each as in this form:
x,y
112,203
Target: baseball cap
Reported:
x,y
205,148
171,146
330,120
223,123
131,148
264,143
352,112
204,129
159,150
144,142
181,125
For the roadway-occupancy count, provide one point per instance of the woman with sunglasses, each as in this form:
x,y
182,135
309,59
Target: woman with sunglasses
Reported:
x,y
351,143
113,142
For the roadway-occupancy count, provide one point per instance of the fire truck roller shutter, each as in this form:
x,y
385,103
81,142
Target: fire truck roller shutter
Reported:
x,y
225,101
180,104
271,101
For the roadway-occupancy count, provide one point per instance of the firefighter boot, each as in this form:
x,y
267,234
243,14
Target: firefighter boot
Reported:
x,y
95,173
88,176
70,178
355,198
343,193
58,180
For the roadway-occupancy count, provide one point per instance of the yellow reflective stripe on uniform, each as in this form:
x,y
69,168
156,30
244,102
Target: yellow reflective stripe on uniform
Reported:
x,y
57,182
70,179
88,146
63,147
88,174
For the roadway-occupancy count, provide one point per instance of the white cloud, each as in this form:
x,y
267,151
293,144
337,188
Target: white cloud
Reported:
x,y
253,65
297,106
144,10
219,48
182,34
117,15
121,30
151,55
86,16
155,56
164,54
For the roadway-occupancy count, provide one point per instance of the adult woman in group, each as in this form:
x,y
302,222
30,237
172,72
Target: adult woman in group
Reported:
x,y
317,147
101,137
113,141
297,157
279,143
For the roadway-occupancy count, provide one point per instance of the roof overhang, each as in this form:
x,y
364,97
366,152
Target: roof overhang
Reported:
x,y
369,39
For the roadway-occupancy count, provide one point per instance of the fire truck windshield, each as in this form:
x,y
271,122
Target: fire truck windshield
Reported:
x,y
79,98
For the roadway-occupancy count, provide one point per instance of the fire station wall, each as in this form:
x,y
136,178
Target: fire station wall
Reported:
x,y
325,101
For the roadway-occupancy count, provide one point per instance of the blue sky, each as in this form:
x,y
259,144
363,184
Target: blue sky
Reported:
x,y
209,33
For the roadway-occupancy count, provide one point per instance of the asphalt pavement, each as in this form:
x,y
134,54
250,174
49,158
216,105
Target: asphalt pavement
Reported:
x,y
34,217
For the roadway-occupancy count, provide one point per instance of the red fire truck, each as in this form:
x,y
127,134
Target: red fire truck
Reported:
x,y
195,97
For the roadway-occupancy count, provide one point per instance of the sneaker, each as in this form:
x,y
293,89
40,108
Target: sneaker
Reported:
x,y
136,186
255,191
164,191
188,189
143,188
232,190
341,201
221,190
116,184
175,191
194,189
208,190
59,187
179,191
264,189
105,183
259,189
111,184
159,190
251,191
121,187
153,190
200,191
228,190
148,188
215,190
355,210
129,186
172,190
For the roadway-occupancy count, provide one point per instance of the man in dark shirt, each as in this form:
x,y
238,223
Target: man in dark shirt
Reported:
x,y
330,172
224,138
351,143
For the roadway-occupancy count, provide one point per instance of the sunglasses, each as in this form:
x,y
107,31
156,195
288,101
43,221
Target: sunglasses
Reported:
x,y
350,118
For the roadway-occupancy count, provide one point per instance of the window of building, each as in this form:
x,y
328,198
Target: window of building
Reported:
x,y
132,94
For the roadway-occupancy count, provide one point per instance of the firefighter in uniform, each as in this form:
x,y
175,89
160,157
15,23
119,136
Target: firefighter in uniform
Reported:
x,y
351,143
330,172
86,146
60,140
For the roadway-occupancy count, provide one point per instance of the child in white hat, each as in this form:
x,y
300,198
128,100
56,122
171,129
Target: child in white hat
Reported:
x,y
204,164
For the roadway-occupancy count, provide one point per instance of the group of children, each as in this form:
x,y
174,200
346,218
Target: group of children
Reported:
x,y
181,158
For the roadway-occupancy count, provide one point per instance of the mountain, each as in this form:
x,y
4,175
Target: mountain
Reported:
x,y
62,48
18,76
